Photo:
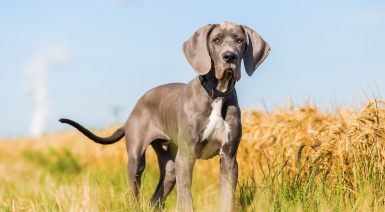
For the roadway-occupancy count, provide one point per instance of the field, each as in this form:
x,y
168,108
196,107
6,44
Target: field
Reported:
x,y
340,168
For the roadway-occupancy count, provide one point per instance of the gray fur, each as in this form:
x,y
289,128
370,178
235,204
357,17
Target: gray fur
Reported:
x,y
174,118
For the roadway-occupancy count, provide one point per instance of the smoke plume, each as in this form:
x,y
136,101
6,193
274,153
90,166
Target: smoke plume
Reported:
x,y
36,82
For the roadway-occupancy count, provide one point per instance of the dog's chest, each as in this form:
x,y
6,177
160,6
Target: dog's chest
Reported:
x,y
216,133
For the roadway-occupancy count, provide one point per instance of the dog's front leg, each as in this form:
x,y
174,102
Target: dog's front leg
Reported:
x,y
228,181
184,164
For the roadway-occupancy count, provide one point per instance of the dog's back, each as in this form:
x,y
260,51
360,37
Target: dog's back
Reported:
x,y
157,107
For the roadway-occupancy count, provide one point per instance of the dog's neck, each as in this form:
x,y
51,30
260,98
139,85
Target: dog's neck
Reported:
x,y
217,89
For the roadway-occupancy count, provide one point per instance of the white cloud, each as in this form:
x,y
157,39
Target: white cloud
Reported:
x,y
36,82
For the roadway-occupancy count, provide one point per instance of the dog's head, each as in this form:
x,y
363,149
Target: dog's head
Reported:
x,y
223,46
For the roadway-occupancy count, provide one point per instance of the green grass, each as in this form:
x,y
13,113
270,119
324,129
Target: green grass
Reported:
x,y
313,190
38,179
57,180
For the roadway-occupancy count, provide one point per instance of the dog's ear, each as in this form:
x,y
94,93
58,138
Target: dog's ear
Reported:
x,y
196,51
256,50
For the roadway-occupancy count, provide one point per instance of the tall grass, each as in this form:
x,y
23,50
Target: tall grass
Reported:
x,y
340,168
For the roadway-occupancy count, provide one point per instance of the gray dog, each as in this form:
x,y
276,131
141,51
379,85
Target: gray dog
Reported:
x,y
197,120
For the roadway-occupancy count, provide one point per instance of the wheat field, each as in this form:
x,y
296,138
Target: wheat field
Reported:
x,y
340,168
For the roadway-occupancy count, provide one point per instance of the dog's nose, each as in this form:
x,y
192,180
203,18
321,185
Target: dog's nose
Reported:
x,y
230,57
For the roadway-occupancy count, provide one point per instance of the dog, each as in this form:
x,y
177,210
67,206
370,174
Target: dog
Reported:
x,y
197,120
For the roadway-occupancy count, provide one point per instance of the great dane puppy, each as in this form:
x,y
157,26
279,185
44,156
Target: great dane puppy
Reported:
x,y
197,120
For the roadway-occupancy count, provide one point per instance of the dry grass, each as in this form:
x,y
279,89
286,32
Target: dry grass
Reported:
x,y
354,145
345,140
281,131
344,172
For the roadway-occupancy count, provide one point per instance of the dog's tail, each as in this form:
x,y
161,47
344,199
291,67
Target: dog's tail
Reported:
x,y
118,134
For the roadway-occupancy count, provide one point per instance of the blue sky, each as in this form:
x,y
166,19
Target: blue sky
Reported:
x,y
120,49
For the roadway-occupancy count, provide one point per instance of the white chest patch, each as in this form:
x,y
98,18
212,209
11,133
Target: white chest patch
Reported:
x,y
217,132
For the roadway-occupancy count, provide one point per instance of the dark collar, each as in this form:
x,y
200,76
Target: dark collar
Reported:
x,y
213,92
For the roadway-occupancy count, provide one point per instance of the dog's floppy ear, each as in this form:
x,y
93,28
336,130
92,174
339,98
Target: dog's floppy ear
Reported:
x,y
196,51
256,50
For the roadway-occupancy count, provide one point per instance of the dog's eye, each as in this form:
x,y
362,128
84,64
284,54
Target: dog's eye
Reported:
x,y
216,40
239,40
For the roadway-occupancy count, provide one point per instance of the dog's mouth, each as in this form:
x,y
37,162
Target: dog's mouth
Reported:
x,y
232,71
223,83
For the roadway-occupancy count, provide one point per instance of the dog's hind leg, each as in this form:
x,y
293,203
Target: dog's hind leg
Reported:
x,y
135,166
167,179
